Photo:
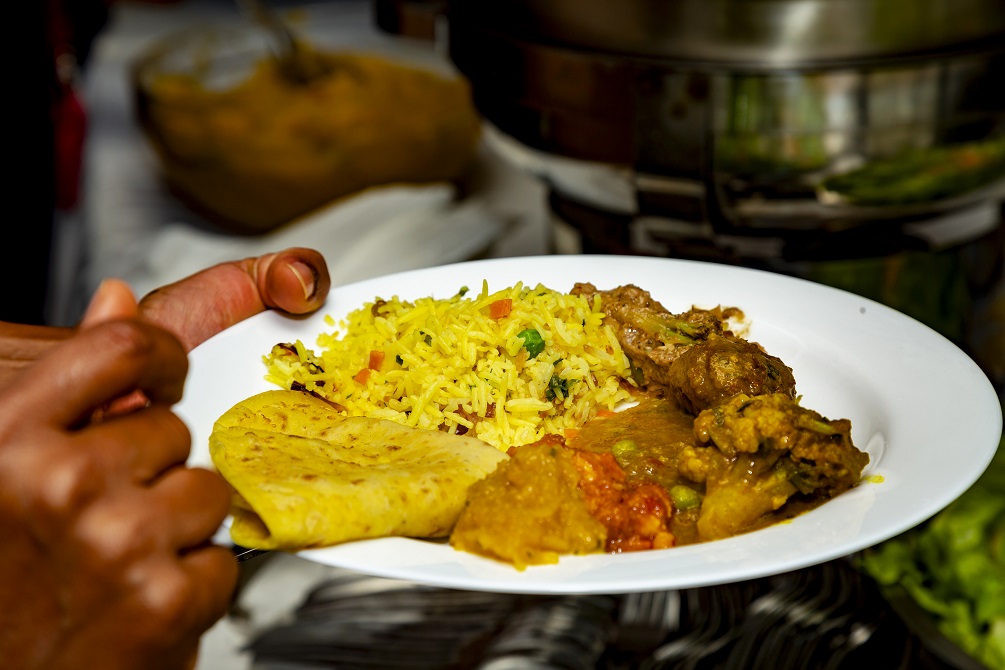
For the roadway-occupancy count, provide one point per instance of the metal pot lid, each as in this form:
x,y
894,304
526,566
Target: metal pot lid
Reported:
x,y
771,33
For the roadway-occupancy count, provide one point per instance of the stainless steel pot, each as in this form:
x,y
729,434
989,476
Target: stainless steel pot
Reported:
x,y
859,143
741,33
738,103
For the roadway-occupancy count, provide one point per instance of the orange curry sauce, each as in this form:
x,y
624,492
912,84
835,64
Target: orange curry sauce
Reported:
x,y
632,499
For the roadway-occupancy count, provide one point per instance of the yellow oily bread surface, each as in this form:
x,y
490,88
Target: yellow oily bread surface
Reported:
x,y
306,476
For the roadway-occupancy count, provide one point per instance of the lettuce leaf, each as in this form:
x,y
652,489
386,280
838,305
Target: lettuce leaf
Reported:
x,y
954,566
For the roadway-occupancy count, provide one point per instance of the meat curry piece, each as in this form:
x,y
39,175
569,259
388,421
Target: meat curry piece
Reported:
x,y
721,367
747,463
694,355
651,336
756,453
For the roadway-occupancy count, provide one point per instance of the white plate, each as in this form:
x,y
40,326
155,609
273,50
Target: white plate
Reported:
x,y
928,417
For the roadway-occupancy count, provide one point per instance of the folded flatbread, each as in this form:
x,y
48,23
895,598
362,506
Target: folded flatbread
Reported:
x,y
306,476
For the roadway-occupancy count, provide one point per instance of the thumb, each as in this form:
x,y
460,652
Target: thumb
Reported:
x,y
113,299
294,280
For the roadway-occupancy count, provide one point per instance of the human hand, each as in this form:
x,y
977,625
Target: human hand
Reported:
x,y
105,561
295,280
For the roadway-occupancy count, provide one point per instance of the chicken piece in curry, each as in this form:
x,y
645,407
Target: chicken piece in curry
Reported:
x,y
718,444
756,453
694,355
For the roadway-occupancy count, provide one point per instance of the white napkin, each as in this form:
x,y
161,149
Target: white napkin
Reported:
x,y
377,232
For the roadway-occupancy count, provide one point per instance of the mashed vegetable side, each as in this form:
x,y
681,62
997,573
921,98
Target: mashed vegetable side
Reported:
x,y
530,512
507,367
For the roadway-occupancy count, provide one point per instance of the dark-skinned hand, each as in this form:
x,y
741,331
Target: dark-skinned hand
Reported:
x,y
107,561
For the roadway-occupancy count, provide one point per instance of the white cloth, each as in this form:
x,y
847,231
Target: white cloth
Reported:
x,y
378,232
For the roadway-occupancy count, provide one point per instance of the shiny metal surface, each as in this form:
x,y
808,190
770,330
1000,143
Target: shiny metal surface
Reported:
x,y
829,616
687,120
767,91
776,33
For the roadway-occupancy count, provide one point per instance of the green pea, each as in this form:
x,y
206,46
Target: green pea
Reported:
x,y
623,448
684,497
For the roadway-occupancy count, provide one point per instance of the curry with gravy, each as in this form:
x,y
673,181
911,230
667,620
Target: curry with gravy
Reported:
x,y
717,445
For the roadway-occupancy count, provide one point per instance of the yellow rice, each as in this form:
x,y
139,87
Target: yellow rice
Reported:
x,y
449,365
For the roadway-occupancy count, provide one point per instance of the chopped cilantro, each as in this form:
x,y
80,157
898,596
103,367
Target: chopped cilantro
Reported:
x,y
558,388
532,341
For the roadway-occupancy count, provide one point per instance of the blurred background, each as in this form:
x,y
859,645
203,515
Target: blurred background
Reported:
x,y
853,143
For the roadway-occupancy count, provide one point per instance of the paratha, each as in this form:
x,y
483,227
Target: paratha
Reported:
x,y
306,476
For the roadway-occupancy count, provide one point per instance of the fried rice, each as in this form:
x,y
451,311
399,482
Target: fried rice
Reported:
x,y
507,367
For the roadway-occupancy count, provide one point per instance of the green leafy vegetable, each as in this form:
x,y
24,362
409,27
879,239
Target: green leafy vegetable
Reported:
x,y
923,175
954,567
532,341
558,388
